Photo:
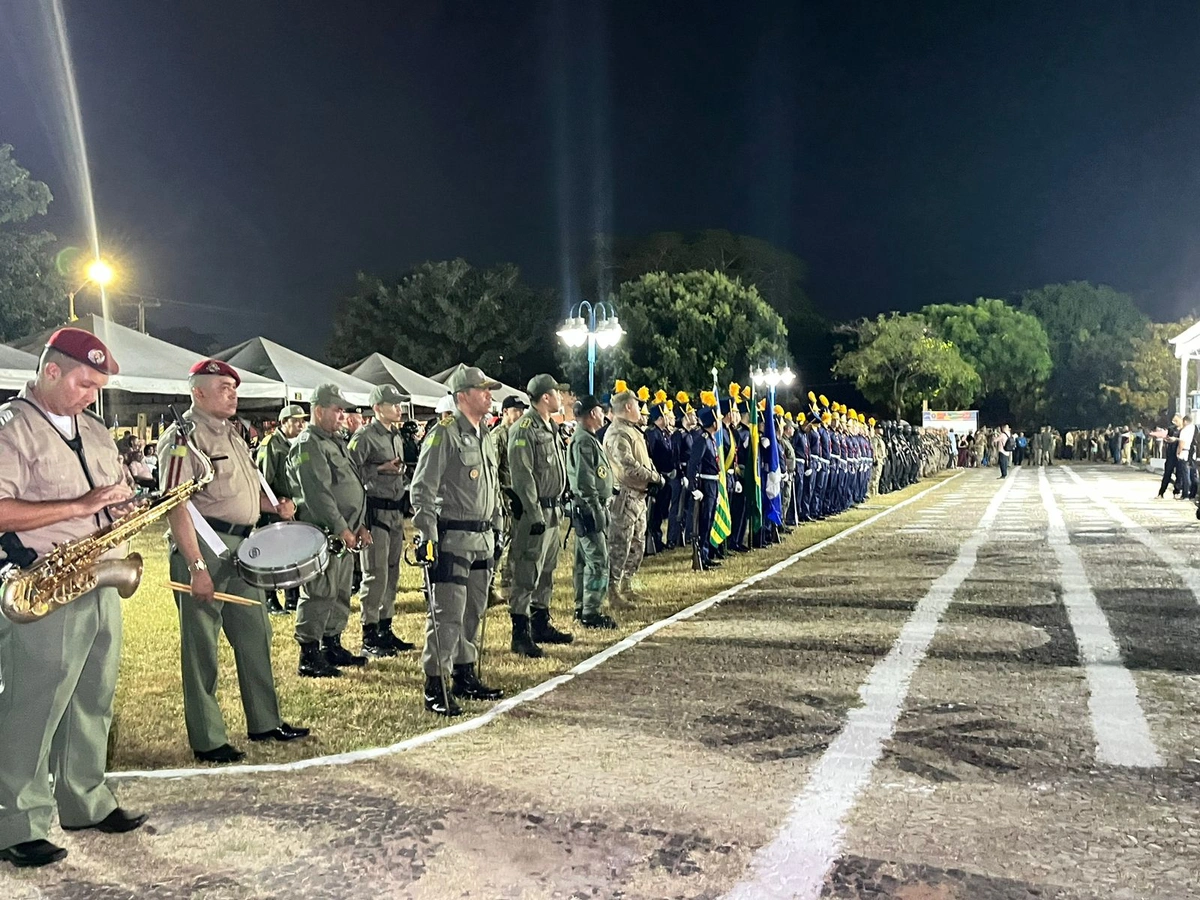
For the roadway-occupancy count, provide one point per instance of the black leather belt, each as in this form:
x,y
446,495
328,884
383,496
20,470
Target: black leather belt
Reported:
x,y
229,528
464,525
381,503
549,502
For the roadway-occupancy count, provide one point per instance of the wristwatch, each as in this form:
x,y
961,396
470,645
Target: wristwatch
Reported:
x,y
198,566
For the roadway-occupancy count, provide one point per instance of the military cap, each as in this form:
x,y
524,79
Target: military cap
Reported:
x,y
329,395
544,384
83,346
707,417
386,393
466,377
292,411
585,405
657,411
512,401
727,404
216,367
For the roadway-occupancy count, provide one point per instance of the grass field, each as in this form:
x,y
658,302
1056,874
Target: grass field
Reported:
x,y
381,704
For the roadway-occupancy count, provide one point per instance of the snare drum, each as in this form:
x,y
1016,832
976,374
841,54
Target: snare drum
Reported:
x,y
282,555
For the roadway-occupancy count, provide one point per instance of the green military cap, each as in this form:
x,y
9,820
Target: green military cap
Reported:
x,y
585,405
544,384
292,411
329,395
466,377
387,393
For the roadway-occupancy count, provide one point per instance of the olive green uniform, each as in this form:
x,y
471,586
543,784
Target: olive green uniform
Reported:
x,y
372,446
539,475
499,441
455,498
328,493
272,462
231,503
59,674
591,479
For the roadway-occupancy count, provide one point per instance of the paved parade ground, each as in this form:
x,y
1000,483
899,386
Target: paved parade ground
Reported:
x,y
991,692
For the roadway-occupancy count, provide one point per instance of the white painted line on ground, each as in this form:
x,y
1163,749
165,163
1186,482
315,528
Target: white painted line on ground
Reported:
x,y
538,690
1178,562
793,866
1122,734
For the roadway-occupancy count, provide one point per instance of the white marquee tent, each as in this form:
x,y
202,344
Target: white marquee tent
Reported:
x,y
379,369
298,373
16,368
149,365
1187,348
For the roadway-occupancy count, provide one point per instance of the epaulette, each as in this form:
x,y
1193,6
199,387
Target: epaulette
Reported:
x,y
525,422
6,414
446,419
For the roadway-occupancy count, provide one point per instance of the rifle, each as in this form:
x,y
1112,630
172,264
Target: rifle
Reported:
x,y
697,559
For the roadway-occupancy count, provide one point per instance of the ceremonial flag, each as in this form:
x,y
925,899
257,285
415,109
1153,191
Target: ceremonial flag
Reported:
x,y
752,478
773,504
722,525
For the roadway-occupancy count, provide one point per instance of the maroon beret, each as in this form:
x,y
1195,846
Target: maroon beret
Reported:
x,y
216,367
85,347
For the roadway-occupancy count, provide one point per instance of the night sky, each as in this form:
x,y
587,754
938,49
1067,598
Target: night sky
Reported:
x,y
255,155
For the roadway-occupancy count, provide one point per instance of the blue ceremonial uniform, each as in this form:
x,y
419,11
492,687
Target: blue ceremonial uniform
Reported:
x,y
679,525
665,462
703,474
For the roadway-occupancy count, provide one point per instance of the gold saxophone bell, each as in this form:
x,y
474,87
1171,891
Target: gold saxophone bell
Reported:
x,y
123,574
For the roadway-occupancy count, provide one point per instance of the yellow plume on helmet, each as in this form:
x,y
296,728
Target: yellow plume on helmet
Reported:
x,y
871,421
708,398
682,397
643,393
660,397
669,406
620,387
735,390
777,409
812,398
800,417
824,401
826,418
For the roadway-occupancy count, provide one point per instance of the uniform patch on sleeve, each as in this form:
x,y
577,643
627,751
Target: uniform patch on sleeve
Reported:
x,y
434,438
525,423
179,450
6,416
519,442
302,459
602,471
354,443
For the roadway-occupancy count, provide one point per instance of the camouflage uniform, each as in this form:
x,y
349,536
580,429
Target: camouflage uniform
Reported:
x,y
626,449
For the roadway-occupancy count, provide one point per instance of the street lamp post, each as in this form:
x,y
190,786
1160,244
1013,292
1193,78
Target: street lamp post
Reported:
x,y
604,333
98,273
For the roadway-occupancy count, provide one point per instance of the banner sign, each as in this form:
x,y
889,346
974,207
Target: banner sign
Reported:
x,y
959,420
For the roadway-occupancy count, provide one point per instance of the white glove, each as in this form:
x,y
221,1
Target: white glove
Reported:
x,y
737,487
766,442
684,482
697,495
808,473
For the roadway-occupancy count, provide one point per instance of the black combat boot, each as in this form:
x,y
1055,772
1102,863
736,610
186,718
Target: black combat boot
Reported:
x,y
337,655
386,634
467,684
437,700
598,620
291,599
522,641
374,643
273,606
313,663
545,633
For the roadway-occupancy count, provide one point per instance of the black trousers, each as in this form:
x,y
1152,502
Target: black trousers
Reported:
x,y
1168,471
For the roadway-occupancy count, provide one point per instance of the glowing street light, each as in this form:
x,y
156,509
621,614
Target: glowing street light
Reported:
x,y
576,331
98,273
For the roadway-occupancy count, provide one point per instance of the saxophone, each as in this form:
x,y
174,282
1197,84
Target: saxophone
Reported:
x,y
73,569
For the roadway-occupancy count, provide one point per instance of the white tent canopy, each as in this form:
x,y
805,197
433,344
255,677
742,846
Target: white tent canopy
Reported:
x,y
149,365
299,373
1187,347
16,368
378,369
498,395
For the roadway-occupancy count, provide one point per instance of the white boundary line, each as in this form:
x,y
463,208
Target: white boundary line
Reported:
x,y
794,864
1118,722
538,690
1178,562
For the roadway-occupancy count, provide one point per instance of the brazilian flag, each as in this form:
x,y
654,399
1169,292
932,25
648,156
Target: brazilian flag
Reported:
x,y
722,525
751,477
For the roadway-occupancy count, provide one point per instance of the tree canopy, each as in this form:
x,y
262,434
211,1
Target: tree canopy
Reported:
x,y
439,314
1149,384
899,361
681,326
32,294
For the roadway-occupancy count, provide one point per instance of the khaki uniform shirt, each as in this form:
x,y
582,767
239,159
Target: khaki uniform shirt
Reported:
x,y
591,475
456,479
626,448
538,462
36,463
372,446
272,462
233,494
499,439
324,482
